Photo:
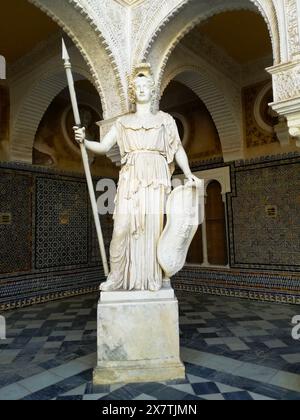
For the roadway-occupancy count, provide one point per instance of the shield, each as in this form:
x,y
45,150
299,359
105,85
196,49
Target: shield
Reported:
x,y
185,212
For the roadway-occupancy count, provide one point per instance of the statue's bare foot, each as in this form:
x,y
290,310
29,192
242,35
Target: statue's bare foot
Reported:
x,y
108,286
155,288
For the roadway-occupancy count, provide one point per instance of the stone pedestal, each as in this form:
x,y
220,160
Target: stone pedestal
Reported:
x,y
138,337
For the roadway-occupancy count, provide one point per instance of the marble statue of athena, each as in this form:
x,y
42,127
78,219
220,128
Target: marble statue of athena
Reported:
x,y
149,144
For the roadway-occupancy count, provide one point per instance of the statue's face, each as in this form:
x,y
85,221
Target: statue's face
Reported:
x,y
143,90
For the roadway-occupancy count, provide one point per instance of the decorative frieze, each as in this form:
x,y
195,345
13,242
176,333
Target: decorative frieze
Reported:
x,y
286,81
293,21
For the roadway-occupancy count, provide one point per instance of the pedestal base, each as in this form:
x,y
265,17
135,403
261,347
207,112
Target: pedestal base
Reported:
x,y
138,337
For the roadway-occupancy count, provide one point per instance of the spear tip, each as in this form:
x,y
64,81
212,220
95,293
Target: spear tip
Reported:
x,y
65,54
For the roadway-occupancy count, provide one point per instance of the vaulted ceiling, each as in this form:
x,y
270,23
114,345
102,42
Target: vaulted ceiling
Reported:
x,y
22,27
242,34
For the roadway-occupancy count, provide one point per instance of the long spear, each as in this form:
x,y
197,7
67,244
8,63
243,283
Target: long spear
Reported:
x,y
68,67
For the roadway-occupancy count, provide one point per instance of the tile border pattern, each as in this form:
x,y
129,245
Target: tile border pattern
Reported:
x,y
262,286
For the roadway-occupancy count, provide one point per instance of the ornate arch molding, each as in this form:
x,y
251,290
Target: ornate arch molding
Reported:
x,y
268,10
216,100
171,29
32,110
94,48
111,20
159,14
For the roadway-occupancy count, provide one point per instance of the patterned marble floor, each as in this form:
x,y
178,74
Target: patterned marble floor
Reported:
x,y
232,350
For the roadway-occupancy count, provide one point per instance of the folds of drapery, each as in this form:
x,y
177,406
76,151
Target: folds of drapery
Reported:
x,y
147,150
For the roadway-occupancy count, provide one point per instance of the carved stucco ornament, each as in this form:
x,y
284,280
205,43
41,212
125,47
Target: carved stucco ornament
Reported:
x,y
286,86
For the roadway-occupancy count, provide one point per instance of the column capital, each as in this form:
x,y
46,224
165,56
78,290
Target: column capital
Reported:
x,y
286,80
286,88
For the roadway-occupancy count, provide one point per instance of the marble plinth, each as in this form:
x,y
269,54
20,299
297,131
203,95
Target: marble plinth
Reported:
x,y
138,337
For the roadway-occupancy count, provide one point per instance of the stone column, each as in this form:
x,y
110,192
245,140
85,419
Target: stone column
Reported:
x,y
224,199
204,240
286,85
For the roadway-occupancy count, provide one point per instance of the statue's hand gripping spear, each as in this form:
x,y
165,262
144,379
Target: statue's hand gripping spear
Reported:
x,y
68,67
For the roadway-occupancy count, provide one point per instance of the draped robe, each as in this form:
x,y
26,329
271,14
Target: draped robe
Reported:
x,y
148,146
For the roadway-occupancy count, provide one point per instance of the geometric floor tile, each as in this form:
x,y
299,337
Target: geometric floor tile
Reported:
x,y
206,388
275,344
232,349
292,358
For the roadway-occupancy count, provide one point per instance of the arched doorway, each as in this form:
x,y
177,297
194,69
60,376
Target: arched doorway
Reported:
x,y
209,247
215,225
35,70
226,75
173,27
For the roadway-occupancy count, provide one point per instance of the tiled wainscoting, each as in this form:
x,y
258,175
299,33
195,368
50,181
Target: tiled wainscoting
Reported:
x,y
48,245
263,286
263,215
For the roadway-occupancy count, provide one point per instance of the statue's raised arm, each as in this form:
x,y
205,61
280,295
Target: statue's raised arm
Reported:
x,y
102,148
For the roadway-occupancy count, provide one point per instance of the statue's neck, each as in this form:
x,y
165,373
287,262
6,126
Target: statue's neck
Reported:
x,y
143,109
